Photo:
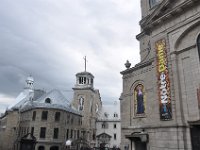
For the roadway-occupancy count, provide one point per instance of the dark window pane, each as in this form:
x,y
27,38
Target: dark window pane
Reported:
x,y
42,132
115,136
71,133
67,134
41,148
48,100
32,131
34,115
44,115
55,134
78,133
57,116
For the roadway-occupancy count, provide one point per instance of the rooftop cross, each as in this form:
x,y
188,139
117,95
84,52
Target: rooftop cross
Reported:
x,y
85,59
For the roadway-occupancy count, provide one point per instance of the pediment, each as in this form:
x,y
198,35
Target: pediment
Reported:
x,y
165,10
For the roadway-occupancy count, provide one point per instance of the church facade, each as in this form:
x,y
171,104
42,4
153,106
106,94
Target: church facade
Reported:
x,y
160,101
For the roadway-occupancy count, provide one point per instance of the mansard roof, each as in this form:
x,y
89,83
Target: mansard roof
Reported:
x,y
50,100
56,100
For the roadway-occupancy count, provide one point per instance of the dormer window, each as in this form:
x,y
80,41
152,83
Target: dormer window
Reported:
x,y
115,115
48,100
153,3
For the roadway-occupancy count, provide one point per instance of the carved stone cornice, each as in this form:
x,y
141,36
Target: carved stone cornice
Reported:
x,y
163,12
138,66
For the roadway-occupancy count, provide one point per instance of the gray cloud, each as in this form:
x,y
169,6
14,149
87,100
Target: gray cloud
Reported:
x,y
48,39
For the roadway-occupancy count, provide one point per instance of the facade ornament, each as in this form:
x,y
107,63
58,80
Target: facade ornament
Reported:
x,y
127,64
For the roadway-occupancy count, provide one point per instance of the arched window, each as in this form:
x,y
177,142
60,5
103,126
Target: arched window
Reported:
x,y
198,46
41,148
139,100
48,100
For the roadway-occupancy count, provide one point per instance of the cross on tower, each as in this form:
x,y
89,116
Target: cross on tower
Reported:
x,y
85,59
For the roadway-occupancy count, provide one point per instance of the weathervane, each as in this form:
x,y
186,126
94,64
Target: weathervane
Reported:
x,y
85,59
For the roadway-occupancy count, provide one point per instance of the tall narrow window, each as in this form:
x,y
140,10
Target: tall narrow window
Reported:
x,y
71,133
55,133
34,115
78,133
42,132
57,116
44,115
103,126
32,130
67,134
115,126
68,118
115,136
198,45
139,96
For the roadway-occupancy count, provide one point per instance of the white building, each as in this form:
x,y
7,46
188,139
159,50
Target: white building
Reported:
x,y
108,126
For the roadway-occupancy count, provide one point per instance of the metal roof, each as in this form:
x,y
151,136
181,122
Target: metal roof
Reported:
x,y
56,100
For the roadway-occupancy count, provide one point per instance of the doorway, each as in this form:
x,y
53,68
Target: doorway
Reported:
x,y
195,137
140,145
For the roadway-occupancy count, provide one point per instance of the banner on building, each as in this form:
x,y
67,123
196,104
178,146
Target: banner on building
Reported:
x,y
163,80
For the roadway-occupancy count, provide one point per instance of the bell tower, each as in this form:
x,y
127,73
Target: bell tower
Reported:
x,y
87,101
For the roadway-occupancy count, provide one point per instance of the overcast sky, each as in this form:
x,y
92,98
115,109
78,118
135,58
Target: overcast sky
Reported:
x,y
49,38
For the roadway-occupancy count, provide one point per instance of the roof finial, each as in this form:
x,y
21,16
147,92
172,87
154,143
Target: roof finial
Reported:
x,y
85,62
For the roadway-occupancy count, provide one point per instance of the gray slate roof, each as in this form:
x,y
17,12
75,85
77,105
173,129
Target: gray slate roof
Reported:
x,y
57,101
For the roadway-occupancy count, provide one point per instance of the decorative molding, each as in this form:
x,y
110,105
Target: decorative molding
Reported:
x,y
160,14
138,66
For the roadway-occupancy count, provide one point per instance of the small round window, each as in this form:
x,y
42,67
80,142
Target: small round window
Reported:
x,y
48,100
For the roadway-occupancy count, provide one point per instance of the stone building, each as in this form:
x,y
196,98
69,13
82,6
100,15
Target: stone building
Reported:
x,y
108,126
160,100
88,101
49,117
